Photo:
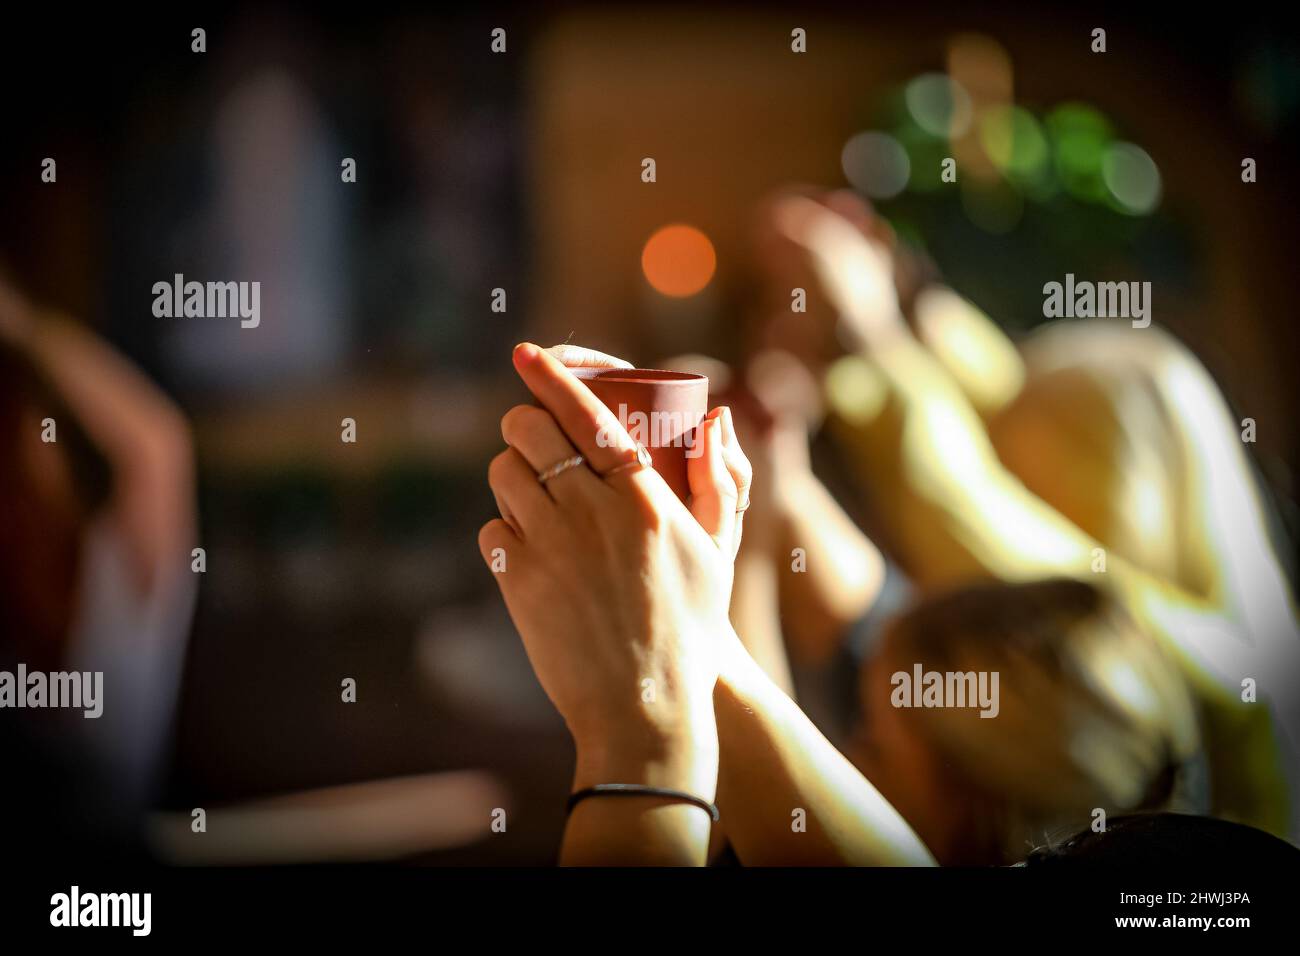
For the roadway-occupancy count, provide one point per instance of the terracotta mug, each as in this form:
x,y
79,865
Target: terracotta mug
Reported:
x,y
661,410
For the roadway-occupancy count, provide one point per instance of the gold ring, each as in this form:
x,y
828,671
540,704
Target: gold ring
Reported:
x,y
643,460
559,468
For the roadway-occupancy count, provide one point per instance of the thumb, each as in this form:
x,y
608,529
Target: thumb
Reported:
x,y
575,356
713,491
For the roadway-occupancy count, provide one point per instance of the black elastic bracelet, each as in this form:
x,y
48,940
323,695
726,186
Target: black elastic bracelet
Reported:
x,y
640,790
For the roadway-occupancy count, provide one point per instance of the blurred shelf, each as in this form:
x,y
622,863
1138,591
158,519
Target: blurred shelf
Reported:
x,y
436,420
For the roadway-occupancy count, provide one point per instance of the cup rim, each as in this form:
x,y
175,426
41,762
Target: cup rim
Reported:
x,y
639,376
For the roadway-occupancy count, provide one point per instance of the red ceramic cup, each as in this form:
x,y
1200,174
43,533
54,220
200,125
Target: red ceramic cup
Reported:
x,y
661,410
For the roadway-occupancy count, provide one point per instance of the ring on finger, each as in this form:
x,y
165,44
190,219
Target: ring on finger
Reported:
x,y
642,460
559,468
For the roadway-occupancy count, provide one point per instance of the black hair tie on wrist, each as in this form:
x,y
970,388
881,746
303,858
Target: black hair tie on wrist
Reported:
x,y
641,790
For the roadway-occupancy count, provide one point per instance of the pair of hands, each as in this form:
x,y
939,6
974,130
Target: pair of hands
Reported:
x,y
619,590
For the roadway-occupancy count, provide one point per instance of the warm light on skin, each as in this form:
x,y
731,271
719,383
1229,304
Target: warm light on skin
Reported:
x,y
855,389
678,260
857,273
973,350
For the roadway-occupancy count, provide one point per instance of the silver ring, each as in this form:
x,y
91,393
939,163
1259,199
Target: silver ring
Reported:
x,y
643,460
559,468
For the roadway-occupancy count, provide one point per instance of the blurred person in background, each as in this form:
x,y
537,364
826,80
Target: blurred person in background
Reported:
x,y
1127,472
97,574
97,529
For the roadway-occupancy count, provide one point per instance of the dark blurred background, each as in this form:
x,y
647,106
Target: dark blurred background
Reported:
x,y
521,171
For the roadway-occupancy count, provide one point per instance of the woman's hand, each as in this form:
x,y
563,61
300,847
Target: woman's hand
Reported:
x,y
619,592
832,245
613,581
709,488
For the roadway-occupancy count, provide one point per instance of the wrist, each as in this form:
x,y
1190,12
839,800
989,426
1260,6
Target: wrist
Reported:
x,y
681,757
742,686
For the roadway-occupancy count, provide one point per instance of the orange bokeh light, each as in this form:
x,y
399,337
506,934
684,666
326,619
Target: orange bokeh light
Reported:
x,y
678,260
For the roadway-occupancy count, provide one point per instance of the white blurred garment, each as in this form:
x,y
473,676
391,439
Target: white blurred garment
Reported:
x,y
138,641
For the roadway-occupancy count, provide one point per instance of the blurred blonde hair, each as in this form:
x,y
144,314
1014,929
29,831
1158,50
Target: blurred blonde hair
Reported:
x,y
1092,713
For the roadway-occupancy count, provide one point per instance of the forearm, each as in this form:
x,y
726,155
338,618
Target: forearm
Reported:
x,y
756,613
144,436
787,796
976,354
841,571
954,510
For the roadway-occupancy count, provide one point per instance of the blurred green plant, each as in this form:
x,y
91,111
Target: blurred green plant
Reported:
x,y
1058,190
